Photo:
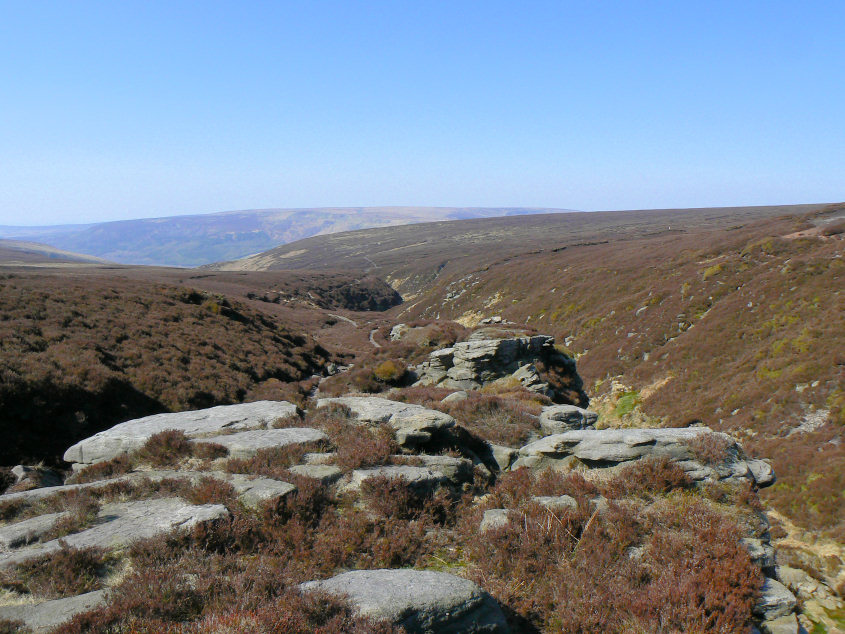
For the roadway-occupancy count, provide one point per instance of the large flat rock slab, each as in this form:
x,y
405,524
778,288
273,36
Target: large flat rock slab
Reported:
x,y
609,447
246,444
413,424
132,434
252,490
48,615
421,601
121,523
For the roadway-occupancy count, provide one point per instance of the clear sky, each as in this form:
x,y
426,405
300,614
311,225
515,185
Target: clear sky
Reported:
x,y
112,110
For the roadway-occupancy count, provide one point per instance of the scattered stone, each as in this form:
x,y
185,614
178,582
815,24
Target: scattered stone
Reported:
x,y
246,444
255,490
503,456
48,615
762,553
121,523
455,397
456,470
413,424
28,531
775,600
421,601
494,518
557,419
762,472
326,474
132,434
556,502
417,477
782,625
36,476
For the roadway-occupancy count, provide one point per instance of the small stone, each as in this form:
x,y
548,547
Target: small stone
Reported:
x,y
324,473
455,397
775,600
556,503
494,518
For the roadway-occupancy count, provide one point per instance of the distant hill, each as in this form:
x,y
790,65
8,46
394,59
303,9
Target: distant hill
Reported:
x,y
201,239
18,251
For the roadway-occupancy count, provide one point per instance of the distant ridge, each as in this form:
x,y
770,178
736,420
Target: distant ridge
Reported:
x,y
202,239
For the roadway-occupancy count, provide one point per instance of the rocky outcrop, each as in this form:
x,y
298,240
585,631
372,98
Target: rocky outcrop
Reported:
x,y
469,365
48,615
413,425
609,447
131,435
121,523
433,472
421,601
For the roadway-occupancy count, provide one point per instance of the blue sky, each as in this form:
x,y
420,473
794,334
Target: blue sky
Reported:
x,y
114,110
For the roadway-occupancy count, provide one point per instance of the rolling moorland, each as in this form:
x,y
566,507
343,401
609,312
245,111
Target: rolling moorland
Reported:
x,y
726,317
731,317
205,238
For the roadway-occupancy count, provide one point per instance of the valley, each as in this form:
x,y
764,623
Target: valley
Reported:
x,y
724,319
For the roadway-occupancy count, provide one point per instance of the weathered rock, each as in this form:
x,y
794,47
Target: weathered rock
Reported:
x,y
324,473
787,624
132,434
503,456
421,601
246,444
48,615
494,518
121,523
762,472
28,531
775,601
761,553
556,503
319,458
398,331
455,397
417,477
36,476
413,424
471,364
456,470
247,486
609,447
254,491
557,419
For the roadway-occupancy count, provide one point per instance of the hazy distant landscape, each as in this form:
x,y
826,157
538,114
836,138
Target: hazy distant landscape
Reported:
x,y
202,239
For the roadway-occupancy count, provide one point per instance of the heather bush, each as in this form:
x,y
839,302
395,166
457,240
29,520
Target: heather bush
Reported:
x,y
711,449
165,448
503,421
118,465
66,572
648,477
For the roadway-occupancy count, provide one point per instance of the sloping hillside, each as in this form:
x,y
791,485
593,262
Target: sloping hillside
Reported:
x,y
204,238
729,317
21,252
